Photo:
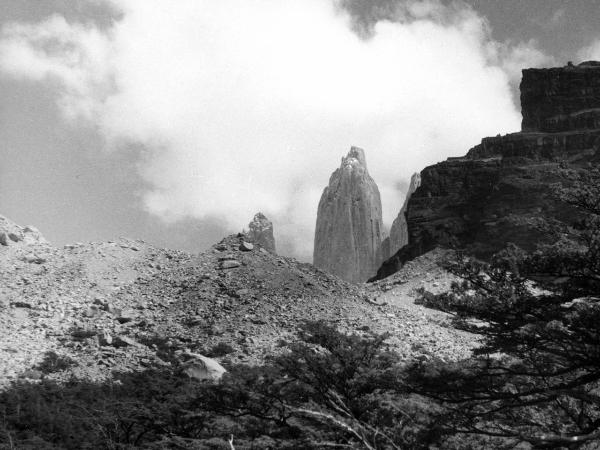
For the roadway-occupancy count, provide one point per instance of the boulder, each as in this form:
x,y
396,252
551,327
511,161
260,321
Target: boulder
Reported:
x,y
201,368
246,246
349,230
229,264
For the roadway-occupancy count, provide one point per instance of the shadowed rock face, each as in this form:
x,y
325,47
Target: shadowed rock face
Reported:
x,y
561,98
261,232
349,226
501,191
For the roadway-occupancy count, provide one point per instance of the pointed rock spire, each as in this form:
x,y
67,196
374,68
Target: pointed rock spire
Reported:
x,y
349,227
399,230
260,231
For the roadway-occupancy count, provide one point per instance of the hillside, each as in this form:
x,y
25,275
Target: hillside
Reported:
x,y
116,306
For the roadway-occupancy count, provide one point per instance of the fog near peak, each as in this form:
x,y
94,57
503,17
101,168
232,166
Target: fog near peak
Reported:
x,y
242,106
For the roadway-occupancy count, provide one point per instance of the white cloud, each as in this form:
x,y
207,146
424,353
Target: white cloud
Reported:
x,y
513,58
247,105
591,52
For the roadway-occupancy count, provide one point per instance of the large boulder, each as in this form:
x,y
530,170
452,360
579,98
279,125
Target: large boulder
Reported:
x,y
201,368
260,231
349,228
501,191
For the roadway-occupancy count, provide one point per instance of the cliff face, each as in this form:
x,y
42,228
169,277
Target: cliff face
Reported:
x,y
260,231
501,191
561,98
399,230
349,229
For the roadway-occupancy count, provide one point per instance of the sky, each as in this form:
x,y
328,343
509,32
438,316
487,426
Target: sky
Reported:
x,y
175,122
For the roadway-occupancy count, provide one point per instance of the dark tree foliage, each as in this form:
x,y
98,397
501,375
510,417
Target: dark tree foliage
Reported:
x,y
327,390
536,376
331,390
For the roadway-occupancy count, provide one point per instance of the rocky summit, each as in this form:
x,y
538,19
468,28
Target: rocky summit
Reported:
x,y
349,230
501,190
260,232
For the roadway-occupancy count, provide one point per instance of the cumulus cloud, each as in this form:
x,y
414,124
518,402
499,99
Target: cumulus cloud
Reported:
x,y
248,105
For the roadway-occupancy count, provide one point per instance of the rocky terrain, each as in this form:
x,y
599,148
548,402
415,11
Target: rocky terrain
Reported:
x,y
501,190
349,230
91,309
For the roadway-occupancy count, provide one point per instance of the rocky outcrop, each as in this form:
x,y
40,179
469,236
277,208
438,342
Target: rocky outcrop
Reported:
x,y
260,231
501,190
348,234
13,234
399,230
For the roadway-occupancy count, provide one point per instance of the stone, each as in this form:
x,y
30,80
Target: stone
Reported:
x,y
501,191
104,338
260,232
349,229
91,311
246,246
201,368
126,315
124,341
230,264
4,240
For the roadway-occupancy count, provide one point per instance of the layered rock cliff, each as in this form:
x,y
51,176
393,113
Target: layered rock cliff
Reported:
x,y
349,227
260,231
501,190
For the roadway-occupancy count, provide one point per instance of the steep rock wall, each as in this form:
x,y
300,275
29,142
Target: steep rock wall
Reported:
x,y
502,190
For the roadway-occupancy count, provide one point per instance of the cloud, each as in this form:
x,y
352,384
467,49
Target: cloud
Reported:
x,y
590,52
514,57
248,105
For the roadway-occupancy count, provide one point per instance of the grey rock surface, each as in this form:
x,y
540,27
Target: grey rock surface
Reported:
x,y
261,232
349,230
399,230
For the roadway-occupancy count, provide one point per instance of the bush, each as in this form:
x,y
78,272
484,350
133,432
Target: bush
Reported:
x,y
54,362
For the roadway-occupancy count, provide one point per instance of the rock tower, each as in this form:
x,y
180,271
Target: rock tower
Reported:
x,y
349,227
399,230
260,231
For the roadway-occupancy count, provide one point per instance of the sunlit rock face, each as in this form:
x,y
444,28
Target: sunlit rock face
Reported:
x,y
399,230
349,229
501,191
12,234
